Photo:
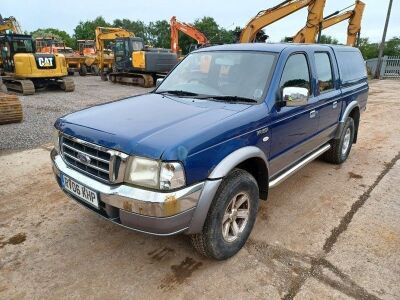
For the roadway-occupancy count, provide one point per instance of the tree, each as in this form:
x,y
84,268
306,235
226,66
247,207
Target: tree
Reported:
x,y
85,30
159,34
368,50
327,39
137,27
57,34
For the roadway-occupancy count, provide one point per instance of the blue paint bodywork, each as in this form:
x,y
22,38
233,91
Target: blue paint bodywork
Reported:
x,y
200,133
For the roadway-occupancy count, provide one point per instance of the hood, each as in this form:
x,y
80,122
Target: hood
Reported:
x,y
146,125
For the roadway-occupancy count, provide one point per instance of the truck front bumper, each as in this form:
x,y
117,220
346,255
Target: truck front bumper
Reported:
x,y
159,213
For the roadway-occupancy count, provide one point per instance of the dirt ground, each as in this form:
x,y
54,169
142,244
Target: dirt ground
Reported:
x,y
328,232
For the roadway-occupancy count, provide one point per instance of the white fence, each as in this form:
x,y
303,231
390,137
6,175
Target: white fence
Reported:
x,y
390,67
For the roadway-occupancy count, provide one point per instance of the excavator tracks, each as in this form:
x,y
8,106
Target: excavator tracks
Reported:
x,y
67,84
143,80
10,109
24,86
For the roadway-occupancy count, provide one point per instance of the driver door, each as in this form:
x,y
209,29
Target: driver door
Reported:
x,y
293,127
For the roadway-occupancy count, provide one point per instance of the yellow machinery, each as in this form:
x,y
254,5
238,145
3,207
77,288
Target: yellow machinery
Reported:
x,y
75,62
24,70
87,49
10,109
271,15
134,63
104,34
353,30
9,24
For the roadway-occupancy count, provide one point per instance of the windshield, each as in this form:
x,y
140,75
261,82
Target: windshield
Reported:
x,y
240,74
23,46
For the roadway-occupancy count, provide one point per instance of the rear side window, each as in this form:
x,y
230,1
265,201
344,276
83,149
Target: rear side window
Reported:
x,y
295,73
324,71
351,66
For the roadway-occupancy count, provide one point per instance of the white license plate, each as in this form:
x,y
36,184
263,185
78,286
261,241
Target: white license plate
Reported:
x,y
79,190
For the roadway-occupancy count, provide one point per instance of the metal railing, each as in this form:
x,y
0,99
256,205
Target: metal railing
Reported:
x,y
390,67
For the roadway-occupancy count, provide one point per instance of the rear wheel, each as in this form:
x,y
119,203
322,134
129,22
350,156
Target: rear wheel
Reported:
x,y
230,218
340,148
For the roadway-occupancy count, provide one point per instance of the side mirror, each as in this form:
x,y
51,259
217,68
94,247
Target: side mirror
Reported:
x,y
294,96
158,81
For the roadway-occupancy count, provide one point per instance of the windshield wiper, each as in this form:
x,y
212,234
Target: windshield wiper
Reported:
x,y
231,98
178,93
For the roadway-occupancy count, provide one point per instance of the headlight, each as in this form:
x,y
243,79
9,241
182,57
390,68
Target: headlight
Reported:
x,y
154,174
143,172
56,140
172,176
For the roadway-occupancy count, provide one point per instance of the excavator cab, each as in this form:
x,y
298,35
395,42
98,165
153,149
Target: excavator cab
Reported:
x,y
123,49
11,44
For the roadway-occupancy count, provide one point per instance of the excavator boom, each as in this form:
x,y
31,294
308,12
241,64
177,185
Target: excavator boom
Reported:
x,y
10,23
314,19
273,14
187,29
354,28
354,16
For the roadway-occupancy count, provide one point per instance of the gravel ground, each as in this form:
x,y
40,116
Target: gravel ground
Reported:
x,y
42,109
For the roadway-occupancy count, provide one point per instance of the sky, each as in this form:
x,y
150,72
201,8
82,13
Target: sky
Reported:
x,y
65,15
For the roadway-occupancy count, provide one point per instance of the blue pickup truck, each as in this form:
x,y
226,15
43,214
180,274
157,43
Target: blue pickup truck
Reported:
x,y
197,154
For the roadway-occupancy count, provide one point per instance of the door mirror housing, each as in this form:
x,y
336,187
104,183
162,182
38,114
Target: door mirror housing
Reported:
x,y
158,81
294,96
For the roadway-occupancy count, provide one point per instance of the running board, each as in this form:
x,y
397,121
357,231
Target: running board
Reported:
x,y
298,166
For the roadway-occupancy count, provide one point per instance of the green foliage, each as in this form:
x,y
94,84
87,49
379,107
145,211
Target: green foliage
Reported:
x,y
85,30
371,50
137,27
158,34
327,39
57,34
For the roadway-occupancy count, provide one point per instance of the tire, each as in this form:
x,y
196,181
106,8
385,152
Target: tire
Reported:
x,y
337,154
83,70
95,70
212,242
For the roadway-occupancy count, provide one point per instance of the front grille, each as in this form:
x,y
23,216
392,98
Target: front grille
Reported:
x,y
96,163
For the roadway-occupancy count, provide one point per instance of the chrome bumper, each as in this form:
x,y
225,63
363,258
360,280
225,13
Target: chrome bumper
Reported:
x,y
143,210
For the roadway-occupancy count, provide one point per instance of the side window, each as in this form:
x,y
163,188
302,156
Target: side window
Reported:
x,y
324,71
296,73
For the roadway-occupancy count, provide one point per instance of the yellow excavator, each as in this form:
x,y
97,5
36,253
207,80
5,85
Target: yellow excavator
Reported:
x,y
24,70
353,29
283,9
134,63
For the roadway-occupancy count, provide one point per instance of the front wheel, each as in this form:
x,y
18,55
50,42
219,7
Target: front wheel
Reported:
x,y
230,218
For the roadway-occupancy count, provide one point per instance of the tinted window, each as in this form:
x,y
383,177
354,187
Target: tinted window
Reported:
x,y
324,71
296,72
351,66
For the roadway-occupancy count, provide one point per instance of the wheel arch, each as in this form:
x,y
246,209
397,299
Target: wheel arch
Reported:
x,y
352,110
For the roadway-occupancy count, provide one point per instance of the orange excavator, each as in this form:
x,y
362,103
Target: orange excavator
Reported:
x,y
187,29
285,8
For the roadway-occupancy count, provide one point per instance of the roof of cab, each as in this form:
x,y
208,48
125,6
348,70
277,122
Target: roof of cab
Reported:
x,y
269,47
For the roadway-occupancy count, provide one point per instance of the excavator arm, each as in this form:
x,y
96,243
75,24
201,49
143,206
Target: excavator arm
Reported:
x,y
314,19
354,16
354,28
108,34
187,29
10,24
273,14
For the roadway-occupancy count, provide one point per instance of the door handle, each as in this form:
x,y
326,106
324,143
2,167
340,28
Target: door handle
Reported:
x,y
334,104
313,113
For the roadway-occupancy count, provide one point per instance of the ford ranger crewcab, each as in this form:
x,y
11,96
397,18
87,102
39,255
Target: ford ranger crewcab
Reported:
x,y
197,154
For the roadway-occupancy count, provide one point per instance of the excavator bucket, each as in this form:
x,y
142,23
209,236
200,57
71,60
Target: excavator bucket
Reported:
x,y
10,109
